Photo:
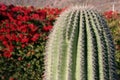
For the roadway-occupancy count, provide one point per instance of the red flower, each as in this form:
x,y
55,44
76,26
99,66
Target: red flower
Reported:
x,y
25,39
23,45
19,23
19,17
8,36
47,28
17,27
2,30
35,16
2,37
21,36
3,7
14,37
111,14
32,27
5,43
25,18
7,54
22,28
35,37
41,13
10,48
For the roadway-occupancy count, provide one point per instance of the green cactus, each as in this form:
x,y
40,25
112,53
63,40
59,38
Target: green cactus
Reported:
x,y
80,47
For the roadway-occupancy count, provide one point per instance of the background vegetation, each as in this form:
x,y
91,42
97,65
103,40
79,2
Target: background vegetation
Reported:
x,y
113,19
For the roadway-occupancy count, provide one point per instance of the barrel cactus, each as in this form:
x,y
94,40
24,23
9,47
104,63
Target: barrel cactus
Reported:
x,y
80,47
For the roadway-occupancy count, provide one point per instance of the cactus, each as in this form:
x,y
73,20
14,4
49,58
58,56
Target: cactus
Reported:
x,y
80,47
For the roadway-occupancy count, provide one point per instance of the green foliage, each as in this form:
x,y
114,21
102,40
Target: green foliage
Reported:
x,y
25,62
118,62
80,47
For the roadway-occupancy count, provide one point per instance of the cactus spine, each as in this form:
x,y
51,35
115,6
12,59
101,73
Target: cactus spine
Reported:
x,y
80,47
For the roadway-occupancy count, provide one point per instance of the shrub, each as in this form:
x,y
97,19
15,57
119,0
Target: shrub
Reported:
x,y
23,33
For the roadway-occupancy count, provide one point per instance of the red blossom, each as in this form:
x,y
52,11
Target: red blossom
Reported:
x,y
2,37
10,48
3,7
24,39
19,23
35,37
23,45
41,13
22,18
22,28
25,18
19,17
7,54
16,26
35,16
14,37
21,36
111,14
32,27
8,36
15,9
2,30
47,28
5,43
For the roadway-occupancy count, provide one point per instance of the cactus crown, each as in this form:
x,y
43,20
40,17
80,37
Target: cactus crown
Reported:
x,y
80,47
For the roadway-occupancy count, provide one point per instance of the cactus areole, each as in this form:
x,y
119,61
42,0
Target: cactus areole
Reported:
x,y
80,47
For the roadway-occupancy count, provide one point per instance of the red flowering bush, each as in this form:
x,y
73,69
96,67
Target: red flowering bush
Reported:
x,y
23,33
111,15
